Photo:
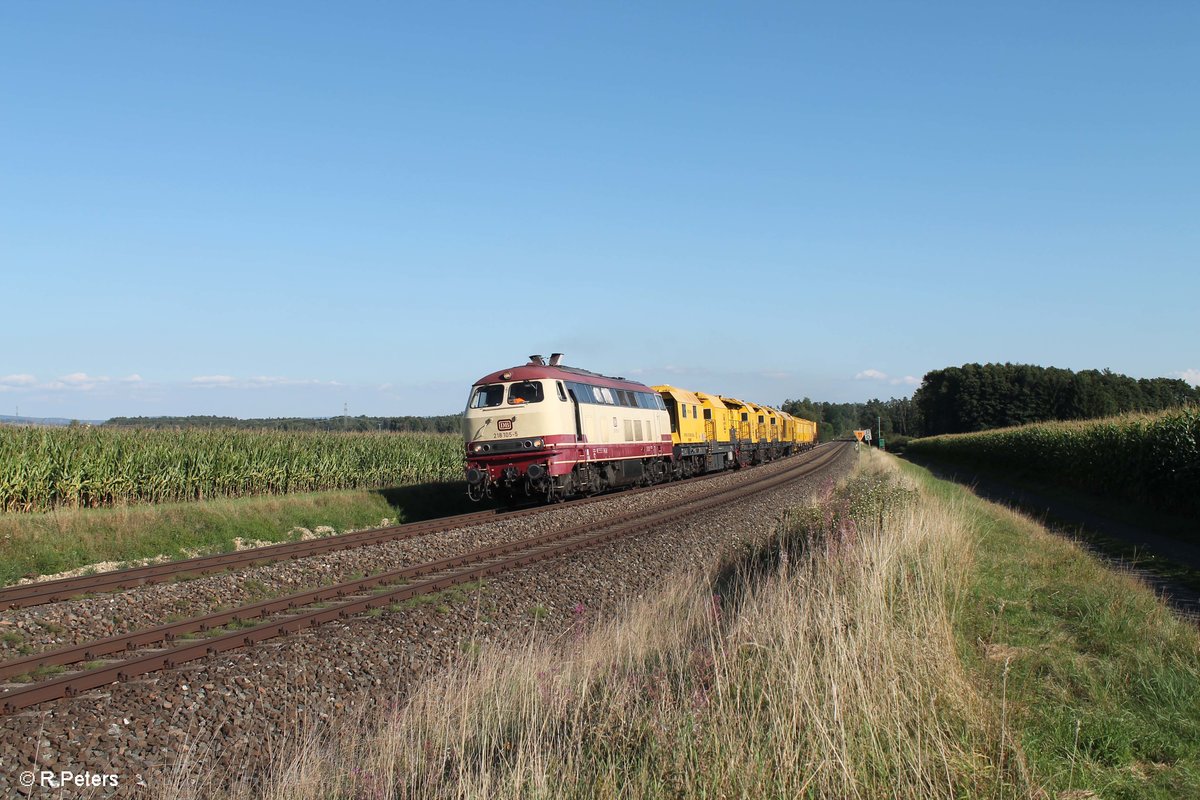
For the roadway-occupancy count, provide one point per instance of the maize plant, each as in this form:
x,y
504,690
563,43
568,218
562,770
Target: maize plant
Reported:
x,y
1150,459
46,468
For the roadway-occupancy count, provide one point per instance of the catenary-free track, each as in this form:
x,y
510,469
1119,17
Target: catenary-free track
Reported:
x,y
354,596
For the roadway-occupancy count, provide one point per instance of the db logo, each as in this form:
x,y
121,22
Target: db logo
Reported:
x,y
504,425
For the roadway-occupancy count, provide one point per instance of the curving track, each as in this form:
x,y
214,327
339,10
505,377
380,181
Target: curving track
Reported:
x,y
53,591
331,603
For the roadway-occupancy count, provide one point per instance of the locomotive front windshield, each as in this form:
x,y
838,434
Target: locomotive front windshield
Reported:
x,y
518,392
525,392
487,396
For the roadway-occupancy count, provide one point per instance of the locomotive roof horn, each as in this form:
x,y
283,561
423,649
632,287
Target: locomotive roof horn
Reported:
x,y
536,361
555,359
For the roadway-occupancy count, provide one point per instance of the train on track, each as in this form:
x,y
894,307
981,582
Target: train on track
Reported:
x,y
548,431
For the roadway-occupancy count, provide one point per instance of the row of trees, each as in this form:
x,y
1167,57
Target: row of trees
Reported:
x,y
449,423
976,397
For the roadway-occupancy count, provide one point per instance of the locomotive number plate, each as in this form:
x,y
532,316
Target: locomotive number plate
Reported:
x,y
504,425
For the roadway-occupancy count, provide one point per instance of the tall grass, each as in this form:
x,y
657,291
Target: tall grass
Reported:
x,y
1149,459
46,468
824,666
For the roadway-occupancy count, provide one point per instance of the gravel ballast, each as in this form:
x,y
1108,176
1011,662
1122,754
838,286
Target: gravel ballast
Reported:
x,y
232,710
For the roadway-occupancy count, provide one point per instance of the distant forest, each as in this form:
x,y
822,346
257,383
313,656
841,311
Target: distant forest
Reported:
x,y
977,397
449,423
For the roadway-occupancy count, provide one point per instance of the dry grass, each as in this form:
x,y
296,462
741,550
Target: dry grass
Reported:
x,y
826,667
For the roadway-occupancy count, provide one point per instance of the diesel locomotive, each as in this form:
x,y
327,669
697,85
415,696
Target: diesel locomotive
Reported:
x,y
549,431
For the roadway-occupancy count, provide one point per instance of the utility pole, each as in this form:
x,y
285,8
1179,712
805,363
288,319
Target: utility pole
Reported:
x,y
879,424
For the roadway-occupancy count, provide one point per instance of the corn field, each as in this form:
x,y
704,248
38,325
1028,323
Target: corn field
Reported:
x,y
47,468
1151,459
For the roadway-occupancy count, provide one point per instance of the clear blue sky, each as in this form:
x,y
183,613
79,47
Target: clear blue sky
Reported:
x,y
280,208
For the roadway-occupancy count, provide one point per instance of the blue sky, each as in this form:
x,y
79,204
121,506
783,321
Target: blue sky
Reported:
x,y
275,209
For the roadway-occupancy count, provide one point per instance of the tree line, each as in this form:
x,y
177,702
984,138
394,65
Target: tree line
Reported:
x,y
446,423
976,397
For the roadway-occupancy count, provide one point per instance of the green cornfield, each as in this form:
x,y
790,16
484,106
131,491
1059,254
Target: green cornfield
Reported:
x,y
47,468
1151,459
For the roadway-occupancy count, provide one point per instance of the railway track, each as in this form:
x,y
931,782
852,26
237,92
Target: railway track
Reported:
x,y
285,615
42,592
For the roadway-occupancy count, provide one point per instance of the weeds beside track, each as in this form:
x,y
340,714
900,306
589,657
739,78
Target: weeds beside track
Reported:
x,y
891,644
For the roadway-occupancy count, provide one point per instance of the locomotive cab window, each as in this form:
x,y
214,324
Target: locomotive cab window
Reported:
x,y
562,393
708,413
487,396
525,392
745,416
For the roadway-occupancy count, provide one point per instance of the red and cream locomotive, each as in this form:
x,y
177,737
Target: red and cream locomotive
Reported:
x,y
549,431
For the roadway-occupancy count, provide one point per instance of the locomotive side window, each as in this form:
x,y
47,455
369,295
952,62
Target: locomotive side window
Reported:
x,y
487,396
582,391
562,393
745,416
708,413
525,392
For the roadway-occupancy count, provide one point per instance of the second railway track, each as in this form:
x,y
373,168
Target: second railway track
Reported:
x,y
338,601
37,593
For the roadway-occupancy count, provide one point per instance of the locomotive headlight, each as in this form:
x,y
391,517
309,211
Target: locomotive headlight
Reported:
x,y
475,448
538,442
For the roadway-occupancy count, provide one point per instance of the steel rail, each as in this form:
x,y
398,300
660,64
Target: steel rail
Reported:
x,y
89,651
528,551
42,592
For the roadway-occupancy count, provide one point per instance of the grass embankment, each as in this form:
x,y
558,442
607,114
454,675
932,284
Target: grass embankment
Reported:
x,y
897,642
1151,460
1100,680
57,541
